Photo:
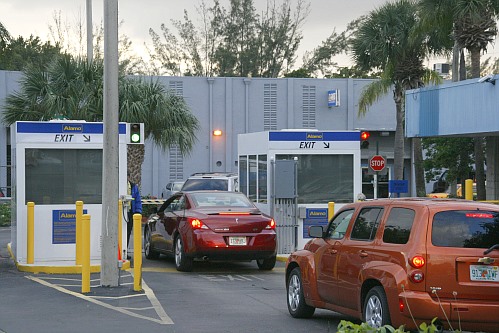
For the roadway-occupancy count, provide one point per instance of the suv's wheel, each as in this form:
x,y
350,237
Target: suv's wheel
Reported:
x,y
148,249
182,262
296,301
266,264
376,312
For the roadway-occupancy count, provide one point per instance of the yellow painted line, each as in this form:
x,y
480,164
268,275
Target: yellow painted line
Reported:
x,y
164,319
173,270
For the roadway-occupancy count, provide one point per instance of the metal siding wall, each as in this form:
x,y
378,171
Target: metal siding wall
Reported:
x,y
429,113
229,112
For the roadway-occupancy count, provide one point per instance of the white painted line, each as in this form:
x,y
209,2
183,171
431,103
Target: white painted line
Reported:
x,y
164,317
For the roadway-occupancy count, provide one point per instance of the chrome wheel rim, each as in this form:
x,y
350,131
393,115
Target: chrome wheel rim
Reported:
x,y
147,244
294,293
374,312
178,251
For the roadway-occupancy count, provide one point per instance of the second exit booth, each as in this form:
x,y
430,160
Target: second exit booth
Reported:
x,y
294,175
55,164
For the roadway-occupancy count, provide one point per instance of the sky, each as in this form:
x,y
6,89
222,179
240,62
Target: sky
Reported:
x,y
26,17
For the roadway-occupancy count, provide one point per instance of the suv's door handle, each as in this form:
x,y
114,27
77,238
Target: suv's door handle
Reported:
x,y
333,251
363,254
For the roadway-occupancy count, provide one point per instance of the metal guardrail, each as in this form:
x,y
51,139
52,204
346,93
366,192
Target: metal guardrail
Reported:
x,y
153,201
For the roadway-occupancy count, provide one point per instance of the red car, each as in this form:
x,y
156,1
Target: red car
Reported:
x,y
402,262
218,225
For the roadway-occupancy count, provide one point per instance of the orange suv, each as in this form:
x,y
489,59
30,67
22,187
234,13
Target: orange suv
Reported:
x,y
402,262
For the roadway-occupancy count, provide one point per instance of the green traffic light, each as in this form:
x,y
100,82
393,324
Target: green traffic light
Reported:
x,y
135,137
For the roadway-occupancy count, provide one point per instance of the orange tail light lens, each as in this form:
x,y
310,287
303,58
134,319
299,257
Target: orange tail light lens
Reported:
x,y
197,224
417,261
271,225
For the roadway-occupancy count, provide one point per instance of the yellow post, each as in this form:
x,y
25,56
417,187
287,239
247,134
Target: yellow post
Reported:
x,y
468,191
120,232
79,214
85,254
137,252
330,210
31,233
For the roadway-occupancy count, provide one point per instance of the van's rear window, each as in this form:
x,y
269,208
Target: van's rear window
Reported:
x,y
469,229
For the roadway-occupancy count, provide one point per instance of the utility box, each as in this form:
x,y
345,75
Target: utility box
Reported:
x,y
55,164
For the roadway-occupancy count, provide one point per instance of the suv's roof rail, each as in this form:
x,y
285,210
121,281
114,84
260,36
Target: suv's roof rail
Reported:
x,y
228,174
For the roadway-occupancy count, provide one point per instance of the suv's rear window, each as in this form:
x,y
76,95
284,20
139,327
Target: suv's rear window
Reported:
x,y
470,229
206,184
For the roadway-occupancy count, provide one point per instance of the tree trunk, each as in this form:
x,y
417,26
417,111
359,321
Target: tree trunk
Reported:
x,y
479,141
398,149
418,167
135,159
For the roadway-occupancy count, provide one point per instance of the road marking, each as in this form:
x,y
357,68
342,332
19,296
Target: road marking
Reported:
x,y
164,318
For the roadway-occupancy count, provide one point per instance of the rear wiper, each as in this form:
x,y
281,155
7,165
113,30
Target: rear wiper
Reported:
x,y
492,248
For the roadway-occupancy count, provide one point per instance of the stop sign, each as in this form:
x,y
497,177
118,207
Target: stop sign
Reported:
x,y
377,163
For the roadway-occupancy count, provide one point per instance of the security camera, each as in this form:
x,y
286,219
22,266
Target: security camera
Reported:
x,y
487,78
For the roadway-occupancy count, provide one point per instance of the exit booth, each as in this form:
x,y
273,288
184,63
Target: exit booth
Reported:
x,y
55,164
296,175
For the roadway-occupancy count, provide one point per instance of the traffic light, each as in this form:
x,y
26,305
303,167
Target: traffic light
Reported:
x,y
136,133
364,137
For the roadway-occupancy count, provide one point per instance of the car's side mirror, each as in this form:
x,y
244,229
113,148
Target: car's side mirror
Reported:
x,y
315,231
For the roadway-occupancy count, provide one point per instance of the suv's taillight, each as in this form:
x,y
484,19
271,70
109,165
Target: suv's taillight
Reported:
x,y
417,276
417,261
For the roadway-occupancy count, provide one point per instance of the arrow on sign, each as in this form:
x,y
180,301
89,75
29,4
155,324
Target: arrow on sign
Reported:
x,y
326,144
86,138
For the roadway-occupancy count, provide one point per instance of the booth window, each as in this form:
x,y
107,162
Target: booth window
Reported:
x,y
253,177
63,176
324,178
368,184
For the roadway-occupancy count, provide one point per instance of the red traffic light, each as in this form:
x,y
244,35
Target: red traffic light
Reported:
x,y
364,136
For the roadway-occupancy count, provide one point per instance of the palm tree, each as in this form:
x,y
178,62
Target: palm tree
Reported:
x,y
4,35
471,24
71,88
385,40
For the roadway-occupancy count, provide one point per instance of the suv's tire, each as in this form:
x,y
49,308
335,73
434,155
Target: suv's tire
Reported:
x,y
183,263
266,264
296,301
148,248
376,312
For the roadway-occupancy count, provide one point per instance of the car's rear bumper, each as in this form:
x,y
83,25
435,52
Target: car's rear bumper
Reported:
x,y
216,246
464,315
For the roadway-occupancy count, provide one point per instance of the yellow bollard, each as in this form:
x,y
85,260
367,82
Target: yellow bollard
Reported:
x,y
330,210
468,191
120,232
137,252
85,254
79,214
31,233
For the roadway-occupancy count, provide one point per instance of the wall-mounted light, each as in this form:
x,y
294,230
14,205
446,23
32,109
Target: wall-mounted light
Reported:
x,y
217,132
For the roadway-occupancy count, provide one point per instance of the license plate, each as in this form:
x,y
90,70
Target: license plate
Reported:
x,y
484,273
237,240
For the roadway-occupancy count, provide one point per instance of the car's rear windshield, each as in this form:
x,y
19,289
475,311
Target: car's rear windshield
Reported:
x,y
206,184
468,229
223,198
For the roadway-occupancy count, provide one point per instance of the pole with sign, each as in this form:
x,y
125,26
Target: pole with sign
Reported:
x,y
377,164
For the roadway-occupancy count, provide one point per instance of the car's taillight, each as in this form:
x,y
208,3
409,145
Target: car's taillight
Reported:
x,y
417,276
417,261
271,225
197,224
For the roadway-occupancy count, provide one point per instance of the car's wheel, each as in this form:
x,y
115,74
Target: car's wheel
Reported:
x,y
266,264
183,263
148,248
376,312
296,300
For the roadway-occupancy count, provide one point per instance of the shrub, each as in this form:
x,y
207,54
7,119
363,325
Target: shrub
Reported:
x,y
5,214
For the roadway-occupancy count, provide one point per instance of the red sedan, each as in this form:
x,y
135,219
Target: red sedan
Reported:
x,y
216,225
